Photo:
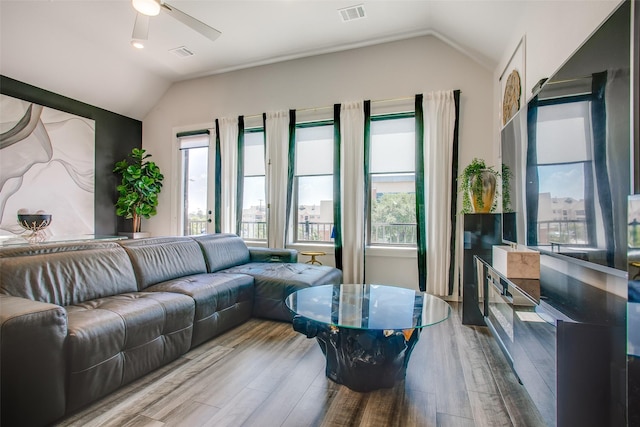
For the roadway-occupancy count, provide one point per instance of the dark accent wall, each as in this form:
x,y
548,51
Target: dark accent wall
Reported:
x,y
116,135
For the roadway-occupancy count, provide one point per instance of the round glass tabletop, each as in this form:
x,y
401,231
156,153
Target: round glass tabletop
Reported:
x,y
371,307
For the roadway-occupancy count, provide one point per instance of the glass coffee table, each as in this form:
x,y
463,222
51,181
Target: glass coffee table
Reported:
x,y
366,332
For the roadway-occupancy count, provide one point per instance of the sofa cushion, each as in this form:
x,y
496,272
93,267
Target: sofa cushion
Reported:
x,y
221,301
66,274
114,340
273,282
223,251
33,367
159,259
273,255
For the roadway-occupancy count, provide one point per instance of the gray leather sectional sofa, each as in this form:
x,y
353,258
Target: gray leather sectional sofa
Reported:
x,y
80,320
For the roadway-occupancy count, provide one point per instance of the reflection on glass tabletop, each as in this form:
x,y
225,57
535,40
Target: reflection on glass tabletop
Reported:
x,y
370,307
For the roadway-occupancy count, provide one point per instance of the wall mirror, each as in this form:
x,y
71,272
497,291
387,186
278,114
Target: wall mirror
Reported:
x,y
578,151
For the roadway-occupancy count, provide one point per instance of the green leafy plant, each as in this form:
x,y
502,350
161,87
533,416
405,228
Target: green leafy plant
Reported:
x,y
470,185
506,188
138,191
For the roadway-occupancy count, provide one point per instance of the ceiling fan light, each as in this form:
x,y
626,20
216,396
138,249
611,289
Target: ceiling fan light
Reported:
x,y
138,44
146,7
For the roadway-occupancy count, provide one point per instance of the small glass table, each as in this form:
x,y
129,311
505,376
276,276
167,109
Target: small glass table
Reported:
x,y
366,332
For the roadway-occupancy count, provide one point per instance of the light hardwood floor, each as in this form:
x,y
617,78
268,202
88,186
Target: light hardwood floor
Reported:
x,y
262,373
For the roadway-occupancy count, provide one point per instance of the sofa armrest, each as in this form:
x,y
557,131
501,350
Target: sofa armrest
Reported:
x,y
273,255
32,361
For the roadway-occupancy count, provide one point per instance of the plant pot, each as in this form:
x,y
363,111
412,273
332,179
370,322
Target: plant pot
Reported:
x,y
482,201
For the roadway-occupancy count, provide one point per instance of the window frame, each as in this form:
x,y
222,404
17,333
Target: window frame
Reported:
x,y
295,197
265,231
368,190
588,176
183,167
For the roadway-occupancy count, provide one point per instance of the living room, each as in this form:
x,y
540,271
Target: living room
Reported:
x,y
394,68
192,105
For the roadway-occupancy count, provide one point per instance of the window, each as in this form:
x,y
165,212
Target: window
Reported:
x,y
564,156
392,207
313,182
196,215
254,222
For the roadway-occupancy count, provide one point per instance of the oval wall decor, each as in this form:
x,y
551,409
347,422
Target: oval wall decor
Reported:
x,y
511,98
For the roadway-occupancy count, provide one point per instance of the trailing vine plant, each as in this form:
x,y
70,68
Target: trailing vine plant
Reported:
x,y
506,188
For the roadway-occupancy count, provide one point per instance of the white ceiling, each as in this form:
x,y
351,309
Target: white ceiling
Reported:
x,y
81,49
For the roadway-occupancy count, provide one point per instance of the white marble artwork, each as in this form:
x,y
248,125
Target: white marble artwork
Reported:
x,y
47,163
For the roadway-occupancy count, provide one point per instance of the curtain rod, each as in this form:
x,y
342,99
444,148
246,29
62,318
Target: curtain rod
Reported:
x,y
378,101
406,98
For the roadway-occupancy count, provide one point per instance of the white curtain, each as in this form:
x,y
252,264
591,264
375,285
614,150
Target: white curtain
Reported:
x,y
352,191
276,168
229,173
439,122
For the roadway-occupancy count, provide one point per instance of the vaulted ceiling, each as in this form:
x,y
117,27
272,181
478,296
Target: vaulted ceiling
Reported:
x,y
81,49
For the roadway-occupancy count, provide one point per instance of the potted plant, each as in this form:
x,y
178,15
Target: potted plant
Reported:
x,y
139,188
478,186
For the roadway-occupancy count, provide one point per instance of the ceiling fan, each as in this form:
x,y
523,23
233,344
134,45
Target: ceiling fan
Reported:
x,y
149,8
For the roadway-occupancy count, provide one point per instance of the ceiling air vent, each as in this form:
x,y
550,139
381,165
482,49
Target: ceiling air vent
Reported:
x,y
352,13
181,52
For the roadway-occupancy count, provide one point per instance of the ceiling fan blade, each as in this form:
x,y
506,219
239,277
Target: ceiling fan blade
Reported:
x,y
207,31
141,27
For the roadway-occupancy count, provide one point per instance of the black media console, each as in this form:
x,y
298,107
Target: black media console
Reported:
x,y
566,341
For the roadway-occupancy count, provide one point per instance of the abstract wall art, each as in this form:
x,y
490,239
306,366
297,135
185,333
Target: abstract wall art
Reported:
x,y
47,163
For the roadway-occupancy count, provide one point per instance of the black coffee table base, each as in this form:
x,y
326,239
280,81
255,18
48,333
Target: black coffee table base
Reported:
x,y
363,360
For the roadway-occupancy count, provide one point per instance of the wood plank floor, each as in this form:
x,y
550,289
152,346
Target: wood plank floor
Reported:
x,y
262,373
